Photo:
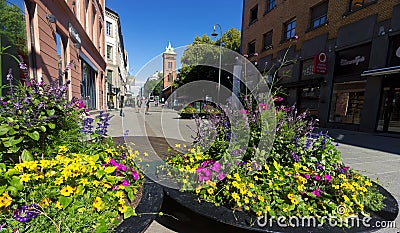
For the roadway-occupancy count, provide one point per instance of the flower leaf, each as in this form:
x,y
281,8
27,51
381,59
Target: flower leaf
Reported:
x,y
26,156
65,201
35,135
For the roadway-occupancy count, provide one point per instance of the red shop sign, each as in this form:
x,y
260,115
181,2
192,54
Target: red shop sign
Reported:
x,y
321,63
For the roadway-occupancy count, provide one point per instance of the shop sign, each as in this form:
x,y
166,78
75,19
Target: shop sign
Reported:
x,y
353,61
307,70
321,63
74,34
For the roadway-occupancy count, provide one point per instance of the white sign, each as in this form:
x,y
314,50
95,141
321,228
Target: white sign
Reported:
x,y
74,34
357,60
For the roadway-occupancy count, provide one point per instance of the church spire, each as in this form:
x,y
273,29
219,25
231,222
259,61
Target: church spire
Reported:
x,y
169,49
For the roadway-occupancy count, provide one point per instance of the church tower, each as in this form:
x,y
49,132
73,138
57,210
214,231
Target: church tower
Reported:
x,y
169,66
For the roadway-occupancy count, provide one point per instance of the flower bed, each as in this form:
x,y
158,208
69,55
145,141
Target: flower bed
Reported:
x,y
303,175
58,171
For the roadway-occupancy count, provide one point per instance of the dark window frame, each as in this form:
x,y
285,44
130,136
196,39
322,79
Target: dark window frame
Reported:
x,y
292,29
269,45
109,52
253,19
109,29
270,5
251,44
363,4
321,18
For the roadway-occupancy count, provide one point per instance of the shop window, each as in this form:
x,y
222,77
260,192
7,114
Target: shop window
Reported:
x,y
389,114
290,29
347,102
88,86
253,14
251,48
319,15
309,100
358,4
271,4
267,40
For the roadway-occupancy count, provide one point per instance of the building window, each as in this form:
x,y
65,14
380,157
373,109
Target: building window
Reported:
x,y
169,65
319,14
78,10
347,102
253,14
271,4
108,28
87,16
170,77
109,52
290,29
267,40
357,4
251,48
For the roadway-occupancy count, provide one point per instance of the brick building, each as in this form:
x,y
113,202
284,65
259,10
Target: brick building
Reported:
x,y
346,60
63,31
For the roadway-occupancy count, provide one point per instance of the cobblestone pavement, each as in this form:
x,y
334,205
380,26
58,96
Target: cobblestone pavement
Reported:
x,y
377,156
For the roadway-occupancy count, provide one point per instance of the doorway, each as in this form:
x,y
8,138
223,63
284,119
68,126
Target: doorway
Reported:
x,y
389,115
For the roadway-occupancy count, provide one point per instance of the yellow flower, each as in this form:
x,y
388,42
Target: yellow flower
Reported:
x,y
97,203
45,202
210,191
110,151
39,176
246,200
198,189
256,178
251,185
123,208
84,181
119,194
81,210
59,181
290,196
285,209
235,196
310,208
229,176
347,199
67,191
249,194
5,200
237,177
296,166
294,201
259,213
96,183
235,184
267,208
335,186
62,149
177,145
342,176
260,198
367,183
45,163
58,205
31,165
25,177
300,188
121,201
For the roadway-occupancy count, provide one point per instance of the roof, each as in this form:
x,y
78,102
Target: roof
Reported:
x,y
169,49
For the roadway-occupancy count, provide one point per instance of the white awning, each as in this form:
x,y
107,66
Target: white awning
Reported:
x,y
382,71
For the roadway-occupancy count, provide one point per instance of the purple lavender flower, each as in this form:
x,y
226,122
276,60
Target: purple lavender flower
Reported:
x,y
295,157
87,127
319,166
26,213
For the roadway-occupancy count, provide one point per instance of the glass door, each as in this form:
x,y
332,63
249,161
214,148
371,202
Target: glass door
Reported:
x,y
389,116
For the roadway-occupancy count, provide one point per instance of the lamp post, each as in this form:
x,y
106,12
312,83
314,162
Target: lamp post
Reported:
x,y
215,34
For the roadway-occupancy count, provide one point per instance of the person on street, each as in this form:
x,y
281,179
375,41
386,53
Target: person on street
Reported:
x,y
138,104
147,102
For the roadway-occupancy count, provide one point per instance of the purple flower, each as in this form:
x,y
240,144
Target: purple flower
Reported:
x,y
5,102
125,183
121,167
26,213
307,176
295,157
243,111
328,178
221,176
317,177
112,162
135,175
319,166
317,192
216,166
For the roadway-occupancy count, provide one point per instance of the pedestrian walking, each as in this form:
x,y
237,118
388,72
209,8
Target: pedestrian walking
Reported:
x,y
138,104
147,102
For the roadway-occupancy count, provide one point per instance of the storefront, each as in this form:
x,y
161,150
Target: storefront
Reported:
x,y
88,83
347,100
389,109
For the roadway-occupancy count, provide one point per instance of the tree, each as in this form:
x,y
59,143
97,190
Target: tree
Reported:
x,y
152,87
203,51
12,26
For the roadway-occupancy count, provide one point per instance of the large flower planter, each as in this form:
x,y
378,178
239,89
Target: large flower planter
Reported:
x,y
239,221
147,209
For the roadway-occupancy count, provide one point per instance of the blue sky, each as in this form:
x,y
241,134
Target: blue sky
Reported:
x,y
148,26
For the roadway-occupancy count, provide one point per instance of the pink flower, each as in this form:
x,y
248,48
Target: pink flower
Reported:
x,y
125,183
263,106
221,176
278,99
316,177
135,175
307,176
80,104
243,111
328,178
87,112
216,166
121,167
112,162
317,192
245,55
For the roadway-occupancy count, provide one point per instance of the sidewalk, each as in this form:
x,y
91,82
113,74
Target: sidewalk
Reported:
x,y
374,155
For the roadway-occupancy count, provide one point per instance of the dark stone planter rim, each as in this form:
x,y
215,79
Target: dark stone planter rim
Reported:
x,y
147,209
241,220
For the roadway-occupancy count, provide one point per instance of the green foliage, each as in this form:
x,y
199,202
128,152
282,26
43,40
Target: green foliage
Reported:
x,y
12,26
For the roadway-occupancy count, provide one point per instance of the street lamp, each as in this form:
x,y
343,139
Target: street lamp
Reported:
x,y
215,34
